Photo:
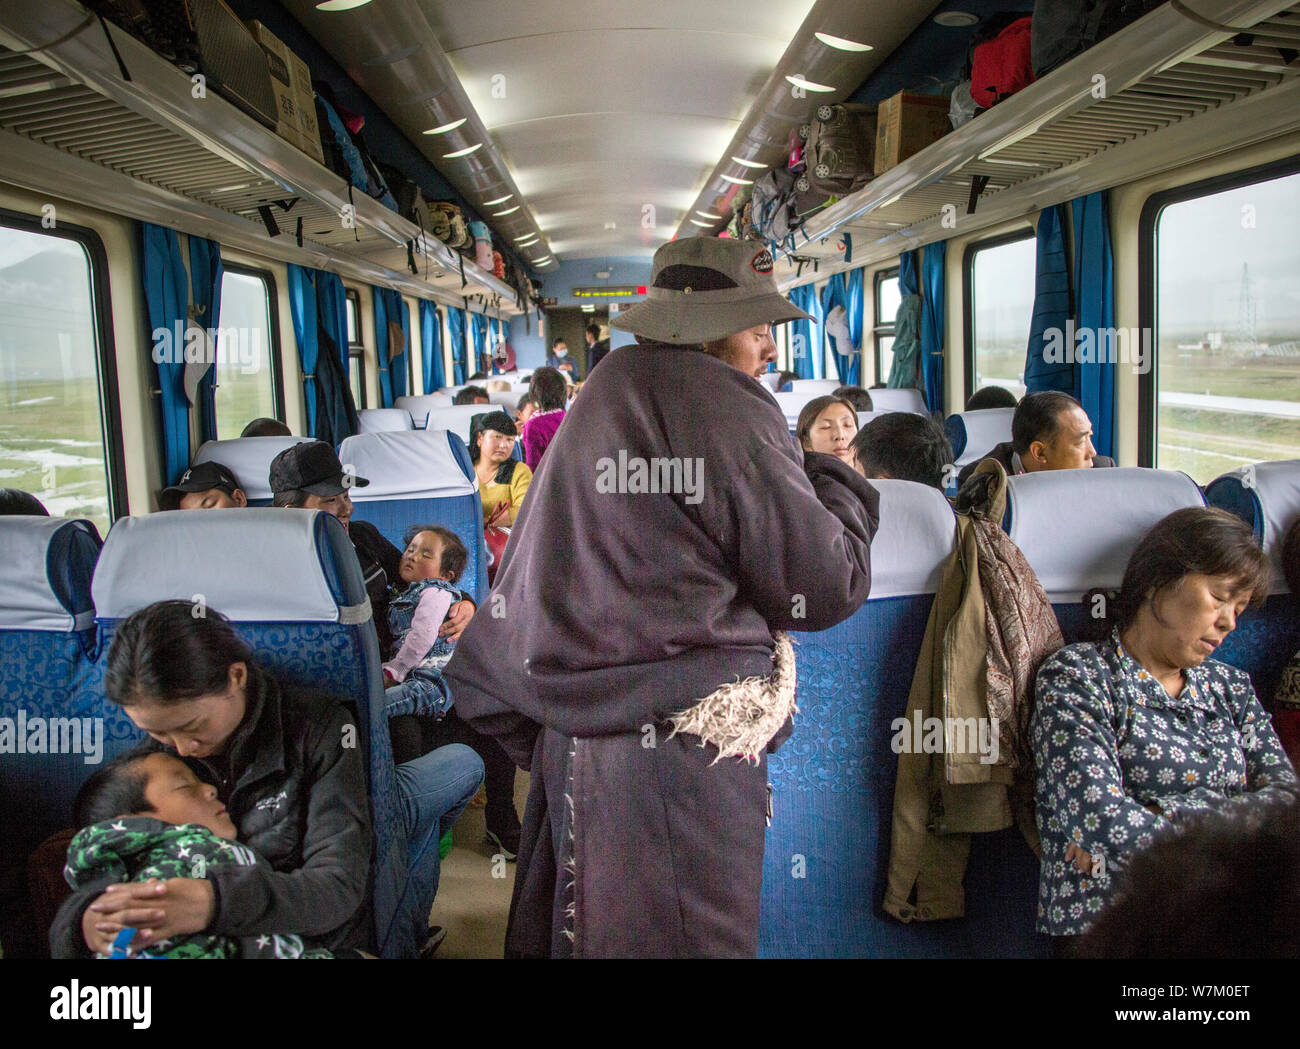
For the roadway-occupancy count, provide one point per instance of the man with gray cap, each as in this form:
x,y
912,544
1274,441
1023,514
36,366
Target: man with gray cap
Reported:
x,y
632,657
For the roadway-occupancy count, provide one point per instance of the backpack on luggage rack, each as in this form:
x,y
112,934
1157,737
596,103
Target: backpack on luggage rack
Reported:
x,y
1065,28
1000,64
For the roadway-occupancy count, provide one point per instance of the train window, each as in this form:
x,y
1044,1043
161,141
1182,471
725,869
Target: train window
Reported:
x,y
1225,322
248,349
356,351
60,438
888,300
999,296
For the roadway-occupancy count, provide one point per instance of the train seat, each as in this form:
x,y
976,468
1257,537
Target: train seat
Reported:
x,y
504,399
973,434
456,418
792,404
48,671
769,379
384,420
249,459
419,406
889,400
1267,497
815,387
291,585
827,855
422,477
866,417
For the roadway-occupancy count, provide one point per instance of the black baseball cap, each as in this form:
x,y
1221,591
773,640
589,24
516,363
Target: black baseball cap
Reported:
x,y
312,467
201,477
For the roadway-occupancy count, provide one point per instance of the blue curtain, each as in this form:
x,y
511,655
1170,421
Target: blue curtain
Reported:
x,y
1051,308
431,347
205,295
478,329
332,309
806,352
390,308
834,294
302,306
456,332
856,300
932,316
1094,277
166,294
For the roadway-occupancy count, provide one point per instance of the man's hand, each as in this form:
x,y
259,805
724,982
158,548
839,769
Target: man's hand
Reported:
x,y
158,909
458,619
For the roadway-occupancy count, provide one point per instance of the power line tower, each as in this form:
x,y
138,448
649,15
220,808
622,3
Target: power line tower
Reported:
x,y
1246,311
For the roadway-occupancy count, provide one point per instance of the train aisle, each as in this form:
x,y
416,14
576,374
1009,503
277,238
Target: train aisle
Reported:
x,y
472,905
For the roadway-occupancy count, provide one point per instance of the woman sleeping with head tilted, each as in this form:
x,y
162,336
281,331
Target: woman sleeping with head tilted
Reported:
x,y
1141,732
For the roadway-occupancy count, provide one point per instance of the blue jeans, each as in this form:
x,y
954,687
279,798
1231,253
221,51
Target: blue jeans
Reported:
x,y
435,788
424,692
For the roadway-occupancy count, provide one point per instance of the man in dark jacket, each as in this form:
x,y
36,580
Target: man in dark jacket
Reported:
x,y
1049,431
628,658
596,346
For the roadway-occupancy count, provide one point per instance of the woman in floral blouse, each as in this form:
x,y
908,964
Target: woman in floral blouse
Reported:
x,y
1142,731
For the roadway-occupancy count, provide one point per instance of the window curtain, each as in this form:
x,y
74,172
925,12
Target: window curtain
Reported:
x,y
855,292
166,293
206,272
932,316
807,343
836,294
1094,272
302,307
478,329
1051,307
456,331
317,303
903,373
391,318
431,347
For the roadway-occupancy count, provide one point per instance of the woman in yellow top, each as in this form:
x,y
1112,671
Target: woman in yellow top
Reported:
x,y
502,479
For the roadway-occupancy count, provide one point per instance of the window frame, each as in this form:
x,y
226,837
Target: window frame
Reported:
x,y
101,304
1149,383
273,323
357,350
880,331
968,297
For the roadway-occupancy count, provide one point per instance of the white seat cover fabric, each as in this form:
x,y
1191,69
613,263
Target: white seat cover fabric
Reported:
x,y
249,459
420,406
866,417
1271,492
27,599
899,401
506,399
259,564
770,379
418,464
984,430
1078,528
916,537
456,418
792,404
817,387
384,420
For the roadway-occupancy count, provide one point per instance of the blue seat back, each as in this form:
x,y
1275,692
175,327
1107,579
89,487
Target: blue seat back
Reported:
x,y
973,434
827,856
1267,497
384,420
291,585
55,728
249,459
420,477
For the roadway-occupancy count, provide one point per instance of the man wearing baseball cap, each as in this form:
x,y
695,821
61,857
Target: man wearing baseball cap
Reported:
x,y
637,666
204,486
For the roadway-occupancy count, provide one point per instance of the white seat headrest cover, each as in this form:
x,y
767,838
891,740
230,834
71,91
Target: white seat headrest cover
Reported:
x,y
384,420
27,600
916,537
984,429
249,459
417,464
258,564
1078,528
898,401
1272,493
456,418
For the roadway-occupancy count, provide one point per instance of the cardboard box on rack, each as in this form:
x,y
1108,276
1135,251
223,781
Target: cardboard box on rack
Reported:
x,y
906,124
295,101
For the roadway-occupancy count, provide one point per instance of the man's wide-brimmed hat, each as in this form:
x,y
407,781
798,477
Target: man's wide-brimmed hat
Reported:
x,y
706,288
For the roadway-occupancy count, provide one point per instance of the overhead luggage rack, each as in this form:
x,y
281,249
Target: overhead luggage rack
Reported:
x,y
73,127
1171,92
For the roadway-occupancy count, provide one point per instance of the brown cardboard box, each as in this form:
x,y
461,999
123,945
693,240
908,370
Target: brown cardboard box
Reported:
x,y
906,124
294,99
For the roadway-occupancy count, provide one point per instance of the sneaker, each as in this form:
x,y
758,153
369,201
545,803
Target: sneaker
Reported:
x,y
436,935
505,841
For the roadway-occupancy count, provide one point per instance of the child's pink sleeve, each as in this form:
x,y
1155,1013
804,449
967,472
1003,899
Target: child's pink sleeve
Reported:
x,y
425,624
